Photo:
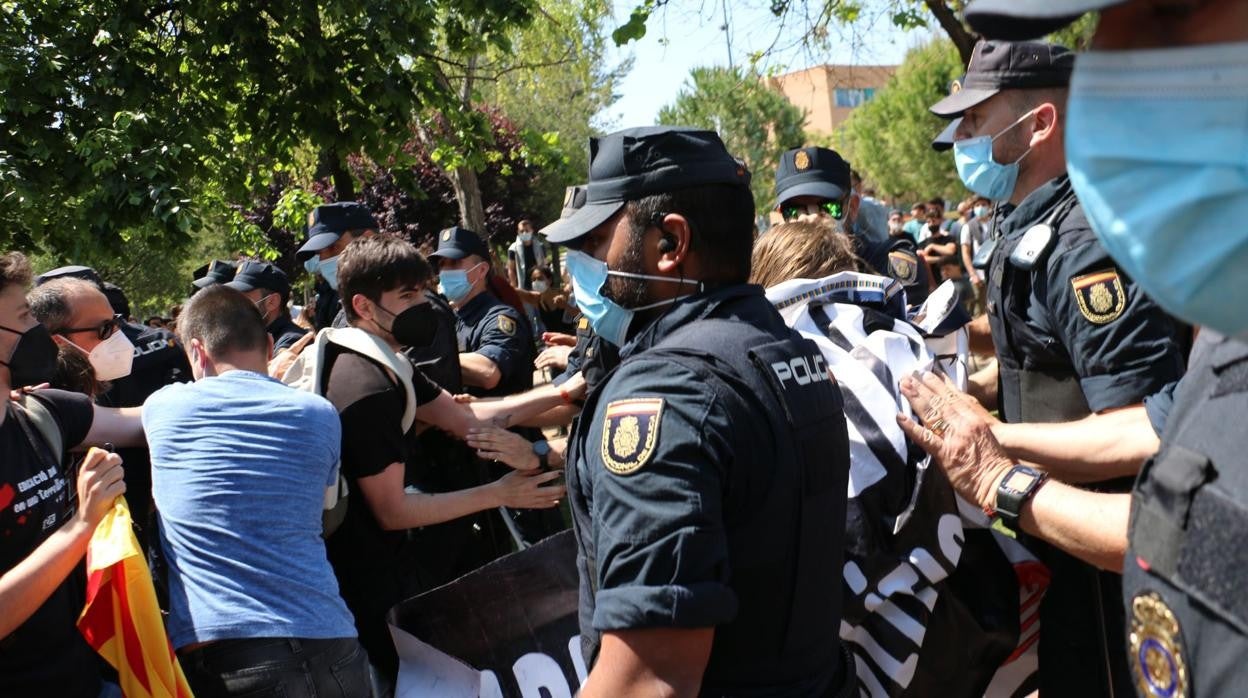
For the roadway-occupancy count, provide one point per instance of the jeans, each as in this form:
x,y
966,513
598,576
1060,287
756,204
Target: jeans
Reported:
x,y
288,667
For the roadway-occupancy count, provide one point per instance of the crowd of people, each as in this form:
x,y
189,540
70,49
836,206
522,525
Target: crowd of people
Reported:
x,y
863,451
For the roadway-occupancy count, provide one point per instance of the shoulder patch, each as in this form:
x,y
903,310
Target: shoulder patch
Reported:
x,y
506,325
903,266
630,432
583,323
1100,296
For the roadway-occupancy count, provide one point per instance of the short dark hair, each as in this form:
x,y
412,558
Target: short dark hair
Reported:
x,y
14,270
721,223
371,266
52,303
937,202
224,321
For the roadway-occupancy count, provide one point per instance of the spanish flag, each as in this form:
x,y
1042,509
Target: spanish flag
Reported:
x,y
121,619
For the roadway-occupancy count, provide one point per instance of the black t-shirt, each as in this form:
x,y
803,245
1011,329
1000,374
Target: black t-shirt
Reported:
x,y
530,261
364,556
46,655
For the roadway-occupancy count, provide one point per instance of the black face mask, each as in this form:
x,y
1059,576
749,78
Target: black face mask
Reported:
x,y
414,327
33,360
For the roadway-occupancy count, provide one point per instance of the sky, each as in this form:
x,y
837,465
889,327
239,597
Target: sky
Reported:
x,y
685,34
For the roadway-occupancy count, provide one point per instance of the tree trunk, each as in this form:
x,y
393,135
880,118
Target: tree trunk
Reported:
x,y
332,166
953,26
468,195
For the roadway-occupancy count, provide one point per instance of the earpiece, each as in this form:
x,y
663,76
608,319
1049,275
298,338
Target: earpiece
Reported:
x,y
667,244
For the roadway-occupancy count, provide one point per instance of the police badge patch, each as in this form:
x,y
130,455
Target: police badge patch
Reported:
x,y
903,266
506,325
629,433
1156,648
1100,296
801,160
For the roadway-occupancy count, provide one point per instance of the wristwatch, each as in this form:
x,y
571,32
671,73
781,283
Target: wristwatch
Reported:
x,y
1018,485
541,449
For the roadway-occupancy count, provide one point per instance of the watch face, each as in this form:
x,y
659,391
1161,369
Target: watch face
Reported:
x,y
541,448
1019,480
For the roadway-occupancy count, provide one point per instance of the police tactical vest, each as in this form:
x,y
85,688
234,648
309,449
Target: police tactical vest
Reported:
x,y
1030,391
1184,572
787,631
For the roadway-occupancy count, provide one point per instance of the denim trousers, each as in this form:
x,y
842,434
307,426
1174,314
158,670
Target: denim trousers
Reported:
x,y
289,667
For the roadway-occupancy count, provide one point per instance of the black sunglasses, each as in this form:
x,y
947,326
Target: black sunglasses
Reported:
x,y
104,330
836,209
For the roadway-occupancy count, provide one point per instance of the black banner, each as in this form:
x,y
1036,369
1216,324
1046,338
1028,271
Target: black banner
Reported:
x,y
507,630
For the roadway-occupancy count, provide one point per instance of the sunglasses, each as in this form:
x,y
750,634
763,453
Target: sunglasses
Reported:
x,y
104,330
836,209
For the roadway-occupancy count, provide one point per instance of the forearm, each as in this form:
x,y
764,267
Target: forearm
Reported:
x,y
28,585
1096,448
1092,526
650,662
558,416
968,262
478,371
518,409
421,509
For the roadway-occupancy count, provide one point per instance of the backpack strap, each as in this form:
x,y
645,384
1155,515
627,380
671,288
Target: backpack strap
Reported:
x,y
370,346
36,413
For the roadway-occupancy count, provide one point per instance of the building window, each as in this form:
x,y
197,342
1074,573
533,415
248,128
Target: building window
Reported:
x,y
852,97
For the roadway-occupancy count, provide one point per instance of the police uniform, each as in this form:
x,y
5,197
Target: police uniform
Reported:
x,y
495,330
824,173
269,279
1073,336
592,357
707,472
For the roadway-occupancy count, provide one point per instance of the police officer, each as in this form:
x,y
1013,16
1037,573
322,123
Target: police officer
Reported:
x,y
1073,334
707,473
815,182
1154,144
267,287
218,271
495,344
331,227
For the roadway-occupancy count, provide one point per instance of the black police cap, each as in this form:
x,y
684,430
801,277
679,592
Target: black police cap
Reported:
x,y
944,141
637,162
254,274
573,200
812,171
218,271
457,242
1006,65
327,223
1017,20
71,272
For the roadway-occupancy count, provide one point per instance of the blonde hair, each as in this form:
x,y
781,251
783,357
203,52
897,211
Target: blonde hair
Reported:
x,y
801,250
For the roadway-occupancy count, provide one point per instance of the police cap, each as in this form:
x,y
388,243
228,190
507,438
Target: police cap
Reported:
x,y
637,162
1005,65
70,272
1016,20
456,243
573,200
327,223
218,271
944,141
253,274
812,172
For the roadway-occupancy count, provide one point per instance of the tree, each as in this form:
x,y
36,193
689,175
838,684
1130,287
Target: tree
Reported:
x,y
755,123
119,114
888,139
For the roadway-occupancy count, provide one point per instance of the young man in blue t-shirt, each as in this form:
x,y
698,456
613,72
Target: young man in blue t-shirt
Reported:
x,y
240,465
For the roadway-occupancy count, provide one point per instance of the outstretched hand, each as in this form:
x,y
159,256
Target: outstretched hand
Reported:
x,y
957,435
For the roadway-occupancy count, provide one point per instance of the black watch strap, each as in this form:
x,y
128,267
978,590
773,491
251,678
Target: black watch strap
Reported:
x,y
1018,485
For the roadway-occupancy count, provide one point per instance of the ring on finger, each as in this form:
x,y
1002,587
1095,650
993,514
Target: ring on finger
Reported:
x,y
938,426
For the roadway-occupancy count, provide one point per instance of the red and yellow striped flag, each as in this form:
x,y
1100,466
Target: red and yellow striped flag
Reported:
x,y
121,619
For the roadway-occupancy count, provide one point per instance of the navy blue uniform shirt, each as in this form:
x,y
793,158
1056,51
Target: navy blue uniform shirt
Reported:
x,y
493,329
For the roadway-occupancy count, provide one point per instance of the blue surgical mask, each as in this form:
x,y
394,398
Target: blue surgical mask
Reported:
x,y
981,211
455,283
526,237
608,319
979,172
311,264
329,270
1156,145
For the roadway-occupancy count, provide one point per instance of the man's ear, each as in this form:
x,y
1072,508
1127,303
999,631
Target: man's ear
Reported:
x,y
851,212
1045,123
675,229
362,306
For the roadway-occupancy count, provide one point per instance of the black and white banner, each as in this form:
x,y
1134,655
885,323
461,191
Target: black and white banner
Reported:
x,y
932,601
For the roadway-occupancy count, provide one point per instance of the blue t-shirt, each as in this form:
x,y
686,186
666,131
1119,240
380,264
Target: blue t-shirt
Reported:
x,y
240,463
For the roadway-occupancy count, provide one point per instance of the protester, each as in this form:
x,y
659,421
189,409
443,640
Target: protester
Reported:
x,y
918,218
266,286
382,284
975,235
1073,335
524,255
661,439
240,465
47,514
